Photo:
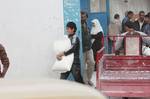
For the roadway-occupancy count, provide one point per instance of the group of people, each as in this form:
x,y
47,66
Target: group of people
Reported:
x,y
92,41
131,24
141,23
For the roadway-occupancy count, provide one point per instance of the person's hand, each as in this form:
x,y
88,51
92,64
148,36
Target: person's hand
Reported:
x,y
60,55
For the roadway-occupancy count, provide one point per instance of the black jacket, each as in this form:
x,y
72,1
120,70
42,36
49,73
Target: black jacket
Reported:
x,y
137,26
86,37
74,49
97,44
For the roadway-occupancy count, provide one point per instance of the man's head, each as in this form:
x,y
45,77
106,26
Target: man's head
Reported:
x,y
129,26
84,17
146,18
149,19
141,16
130,14
71,28
116,16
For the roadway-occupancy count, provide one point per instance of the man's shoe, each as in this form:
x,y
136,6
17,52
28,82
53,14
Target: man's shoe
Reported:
x,y
90,83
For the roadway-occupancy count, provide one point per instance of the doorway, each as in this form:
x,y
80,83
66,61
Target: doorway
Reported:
x,y
97,9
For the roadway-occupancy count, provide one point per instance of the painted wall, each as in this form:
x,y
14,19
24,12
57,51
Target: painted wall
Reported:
x,y
28,29
120,7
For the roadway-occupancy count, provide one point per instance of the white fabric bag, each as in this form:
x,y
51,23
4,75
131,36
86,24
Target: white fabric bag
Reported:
x,y
146,51
66,62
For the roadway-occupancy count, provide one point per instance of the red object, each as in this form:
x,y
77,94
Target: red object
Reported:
x,y
123,76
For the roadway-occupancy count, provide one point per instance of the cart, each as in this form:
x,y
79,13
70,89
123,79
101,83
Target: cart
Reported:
x,y
126,75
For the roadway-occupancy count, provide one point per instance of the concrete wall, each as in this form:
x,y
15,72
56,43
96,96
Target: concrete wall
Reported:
x,y
28,29
120,7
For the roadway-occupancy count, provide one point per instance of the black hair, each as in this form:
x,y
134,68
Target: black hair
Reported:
x,y
141,12
72,25
84,13
116,16
147,16
130,24
130,12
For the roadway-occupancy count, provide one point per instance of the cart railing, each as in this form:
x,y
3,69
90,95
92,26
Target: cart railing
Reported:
x,y
110,42
112,62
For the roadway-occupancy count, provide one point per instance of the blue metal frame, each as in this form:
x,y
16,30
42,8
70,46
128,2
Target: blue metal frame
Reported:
x,y
108,11
102,16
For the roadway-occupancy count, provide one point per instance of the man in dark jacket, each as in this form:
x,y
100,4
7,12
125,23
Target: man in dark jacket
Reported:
x,y
4,60
75,69
147,26
140,23
127,18
144,41
88,58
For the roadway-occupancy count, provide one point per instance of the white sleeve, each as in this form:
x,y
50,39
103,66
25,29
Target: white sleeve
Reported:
x,y
119,41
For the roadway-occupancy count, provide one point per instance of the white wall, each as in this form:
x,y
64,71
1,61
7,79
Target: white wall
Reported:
x,y
118,6
28,29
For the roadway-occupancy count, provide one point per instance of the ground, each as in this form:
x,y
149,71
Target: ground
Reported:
x,y
129,98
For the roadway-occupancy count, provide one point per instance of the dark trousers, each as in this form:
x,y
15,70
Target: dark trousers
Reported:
x,y
75,70
110,46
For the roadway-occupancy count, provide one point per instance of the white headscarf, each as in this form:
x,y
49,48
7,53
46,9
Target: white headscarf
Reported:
x,y
98,28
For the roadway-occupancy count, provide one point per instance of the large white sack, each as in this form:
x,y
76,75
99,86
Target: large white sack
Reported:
x,y
65,64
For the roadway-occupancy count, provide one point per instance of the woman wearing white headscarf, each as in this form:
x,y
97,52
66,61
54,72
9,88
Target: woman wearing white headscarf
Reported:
x,y
97,36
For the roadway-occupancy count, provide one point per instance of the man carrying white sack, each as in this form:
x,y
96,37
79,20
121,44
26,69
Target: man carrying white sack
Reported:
x,y
75,69
145,40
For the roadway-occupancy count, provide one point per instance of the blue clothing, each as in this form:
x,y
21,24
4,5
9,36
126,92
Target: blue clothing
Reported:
x,y
126,19
147,29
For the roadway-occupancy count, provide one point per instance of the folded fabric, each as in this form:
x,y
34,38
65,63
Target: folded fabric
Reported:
x,y
146,51
66,62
